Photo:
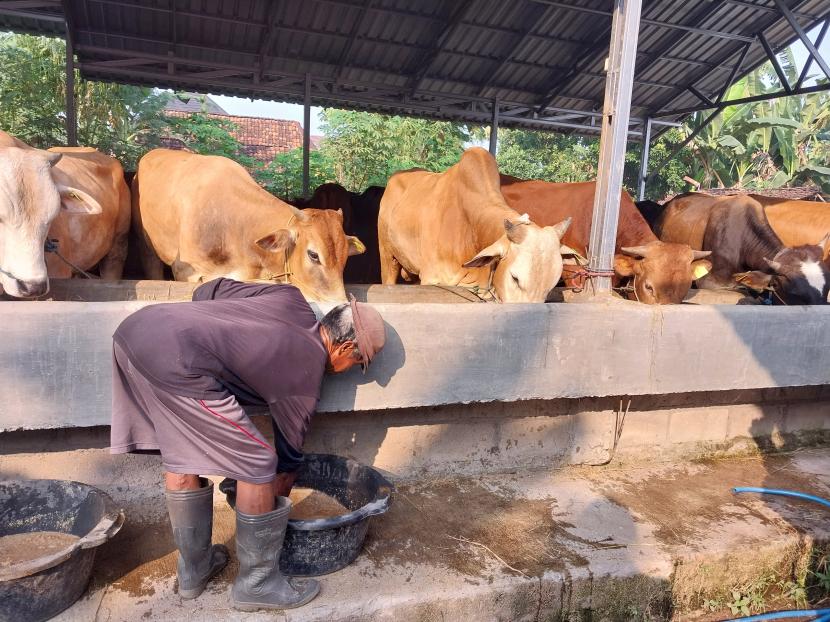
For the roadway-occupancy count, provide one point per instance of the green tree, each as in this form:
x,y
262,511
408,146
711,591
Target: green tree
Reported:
x,y
209,136
123,121
283,177
366,148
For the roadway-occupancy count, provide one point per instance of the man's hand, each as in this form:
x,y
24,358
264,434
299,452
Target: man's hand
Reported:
x,y
283,484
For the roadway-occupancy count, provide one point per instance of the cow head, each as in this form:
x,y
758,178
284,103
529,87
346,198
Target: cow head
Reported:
x,y
317,250
32,193
663,272
798,276
527,260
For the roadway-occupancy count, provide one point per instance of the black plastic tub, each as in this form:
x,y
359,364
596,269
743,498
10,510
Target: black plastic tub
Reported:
x,y
41,588
318,547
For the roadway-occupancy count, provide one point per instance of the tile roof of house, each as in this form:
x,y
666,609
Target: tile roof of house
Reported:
x,y
262,139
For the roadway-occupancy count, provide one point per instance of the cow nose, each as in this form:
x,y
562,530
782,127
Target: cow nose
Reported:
x,y
31,289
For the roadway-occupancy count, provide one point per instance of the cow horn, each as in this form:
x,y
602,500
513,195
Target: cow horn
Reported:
x,y
775,265
635,251
700,254
298,213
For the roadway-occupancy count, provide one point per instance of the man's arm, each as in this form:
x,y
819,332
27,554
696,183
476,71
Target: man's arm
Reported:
x,y
228,288
290,418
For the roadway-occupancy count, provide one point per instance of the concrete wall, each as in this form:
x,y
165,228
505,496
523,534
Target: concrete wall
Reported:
x,y
55,356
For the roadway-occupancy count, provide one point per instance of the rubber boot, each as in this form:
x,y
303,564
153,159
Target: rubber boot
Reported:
x,y
191,516
260,584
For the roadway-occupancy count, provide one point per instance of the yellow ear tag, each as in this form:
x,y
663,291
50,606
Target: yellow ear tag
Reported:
x,y
700,271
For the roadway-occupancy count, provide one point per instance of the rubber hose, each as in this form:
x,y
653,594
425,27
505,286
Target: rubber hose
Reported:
x,y
781,615
784,493
823,619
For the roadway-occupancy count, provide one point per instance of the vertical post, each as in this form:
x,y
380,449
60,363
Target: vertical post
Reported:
x,y
494,128
615,114
306,133
642,178
69,104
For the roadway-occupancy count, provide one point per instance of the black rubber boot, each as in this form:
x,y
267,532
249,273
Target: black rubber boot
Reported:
x,y
191,516
260,584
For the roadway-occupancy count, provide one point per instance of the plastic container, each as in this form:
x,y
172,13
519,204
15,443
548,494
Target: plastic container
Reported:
x,y
39,589
321,546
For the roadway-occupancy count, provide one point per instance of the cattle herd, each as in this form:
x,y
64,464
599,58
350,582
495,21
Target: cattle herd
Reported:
x,y
469,226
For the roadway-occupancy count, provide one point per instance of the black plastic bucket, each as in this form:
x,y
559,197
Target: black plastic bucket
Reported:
x,y
318,547
39,589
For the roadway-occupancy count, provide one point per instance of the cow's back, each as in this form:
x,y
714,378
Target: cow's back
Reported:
x,y
86,239
798,222
685,218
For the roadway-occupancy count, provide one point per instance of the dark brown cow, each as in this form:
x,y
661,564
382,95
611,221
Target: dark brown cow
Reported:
x,y
745,248
663,273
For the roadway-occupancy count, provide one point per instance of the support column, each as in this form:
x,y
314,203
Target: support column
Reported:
x,y
306,134
69,104
494,128
642,178
615,114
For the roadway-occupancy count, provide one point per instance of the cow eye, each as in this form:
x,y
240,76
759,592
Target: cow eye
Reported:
x,y
313,256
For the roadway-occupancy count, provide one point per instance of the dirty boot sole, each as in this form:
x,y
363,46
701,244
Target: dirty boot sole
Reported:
x,y
243,606
194,592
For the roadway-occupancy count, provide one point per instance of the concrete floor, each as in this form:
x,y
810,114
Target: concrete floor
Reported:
x,y
645,543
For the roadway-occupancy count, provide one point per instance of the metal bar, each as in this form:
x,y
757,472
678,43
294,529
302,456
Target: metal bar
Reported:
x,y
346,55
32,4
767,9
642,177
745,100
775,64
735,69
651,22
683,144
69,104
819,41
42,17
616,110
812,49
306,134
699,95
494,128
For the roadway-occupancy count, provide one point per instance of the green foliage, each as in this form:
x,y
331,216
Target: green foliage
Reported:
x,y
208,136
284,176
366,148
123,121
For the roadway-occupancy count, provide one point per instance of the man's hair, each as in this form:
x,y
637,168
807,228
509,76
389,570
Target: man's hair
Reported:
x,y
339,324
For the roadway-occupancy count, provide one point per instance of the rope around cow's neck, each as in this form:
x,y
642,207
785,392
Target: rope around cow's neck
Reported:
x,y
51,246
286,266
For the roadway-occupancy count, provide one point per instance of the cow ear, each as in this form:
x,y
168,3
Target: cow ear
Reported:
x,y
561,227
76,201
755,280
279,240
356,247
624,265
701,268
492,254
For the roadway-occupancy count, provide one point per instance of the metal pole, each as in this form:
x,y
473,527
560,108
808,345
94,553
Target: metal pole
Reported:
x,y
69,104
494,128
615,114
642,178
306,133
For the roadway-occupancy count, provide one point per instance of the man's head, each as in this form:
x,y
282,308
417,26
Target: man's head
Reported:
x,y
352,333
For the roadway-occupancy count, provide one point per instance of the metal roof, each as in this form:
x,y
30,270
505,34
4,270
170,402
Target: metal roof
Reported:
x,y
444,59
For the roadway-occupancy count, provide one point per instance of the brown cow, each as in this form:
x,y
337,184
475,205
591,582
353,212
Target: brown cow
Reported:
x,y
87,240
454,228
33,191
797,222
745,248
663,273
205,217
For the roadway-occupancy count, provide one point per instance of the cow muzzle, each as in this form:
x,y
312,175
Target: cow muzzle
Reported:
x,y
20,288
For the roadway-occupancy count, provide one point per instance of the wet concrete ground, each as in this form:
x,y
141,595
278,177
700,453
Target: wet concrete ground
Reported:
x,y
648,543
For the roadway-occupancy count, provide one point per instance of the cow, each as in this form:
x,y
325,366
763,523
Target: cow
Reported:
x,y
360,218
745,248
796,222
206,217
455,228
97,240
33,191
662,273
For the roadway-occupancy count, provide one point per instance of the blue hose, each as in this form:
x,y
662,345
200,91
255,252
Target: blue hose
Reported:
x,y
784,493
780,615
823,619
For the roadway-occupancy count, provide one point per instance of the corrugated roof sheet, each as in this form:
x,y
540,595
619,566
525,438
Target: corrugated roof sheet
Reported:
x,y
434,58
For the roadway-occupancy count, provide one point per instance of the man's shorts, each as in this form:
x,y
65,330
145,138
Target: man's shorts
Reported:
x,y
200,437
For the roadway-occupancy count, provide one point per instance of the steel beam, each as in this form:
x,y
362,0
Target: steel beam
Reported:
x,y
346,54
812,49
735,69
306,135
425,62
685,142
43,17
819,41
782,77
642,177
71,119
494,128
744,100
613,142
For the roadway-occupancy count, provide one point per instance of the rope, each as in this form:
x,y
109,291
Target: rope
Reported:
x,y
51,246
286,262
